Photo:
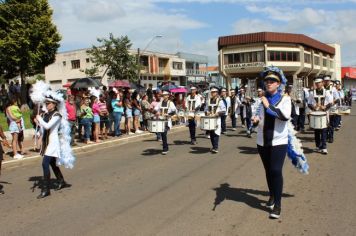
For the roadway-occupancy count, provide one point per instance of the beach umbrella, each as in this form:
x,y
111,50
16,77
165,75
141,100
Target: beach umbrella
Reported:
x,y
120,84
169,87
179,90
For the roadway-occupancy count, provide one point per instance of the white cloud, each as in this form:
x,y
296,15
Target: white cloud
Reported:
x,y
326,26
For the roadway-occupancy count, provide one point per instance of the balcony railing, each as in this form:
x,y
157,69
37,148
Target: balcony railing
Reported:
x,y
196,72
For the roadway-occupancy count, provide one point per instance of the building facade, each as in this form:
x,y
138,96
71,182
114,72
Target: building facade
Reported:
x,y
156,68
244,56
349,77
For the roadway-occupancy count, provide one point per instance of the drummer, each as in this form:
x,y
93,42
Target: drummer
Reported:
x,y
332,118
226,102
216,108
340,102
234,105
192,104
164,110
320,100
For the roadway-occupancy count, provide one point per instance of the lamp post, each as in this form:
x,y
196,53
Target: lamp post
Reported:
x,y
138,56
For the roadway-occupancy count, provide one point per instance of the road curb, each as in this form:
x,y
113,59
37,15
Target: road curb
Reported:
x,y
94,146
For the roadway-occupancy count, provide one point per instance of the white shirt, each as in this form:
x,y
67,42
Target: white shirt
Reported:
x,y
273,131
193,103
167,110
53,147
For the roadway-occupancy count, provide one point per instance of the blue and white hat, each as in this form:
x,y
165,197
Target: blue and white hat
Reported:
x,y
318,80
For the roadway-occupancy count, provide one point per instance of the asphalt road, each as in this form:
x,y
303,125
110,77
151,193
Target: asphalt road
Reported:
x,y
132,189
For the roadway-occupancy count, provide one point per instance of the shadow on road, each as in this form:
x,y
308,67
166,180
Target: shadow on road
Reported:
x,y
199,150
225,192
308,150
151,152
306,139
180,142
248,150
5,182
39,183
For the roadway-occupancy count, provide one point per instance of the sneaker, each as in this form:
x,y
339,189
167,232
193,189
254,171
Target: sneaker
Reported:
x,y
233,129
243,126
207,136
159,140
317,150
275,213
193,142
18,156
130,133
214,150
164,152
324,151
337,129
138,132
270,203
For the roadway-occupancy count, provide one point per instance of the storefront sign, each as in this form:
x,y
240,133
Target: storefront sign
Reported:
x,y
244,65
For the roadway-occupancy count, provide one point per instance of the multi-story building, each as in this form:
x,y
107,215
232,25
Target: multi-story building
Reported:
x,y
155,68
244,56
195,67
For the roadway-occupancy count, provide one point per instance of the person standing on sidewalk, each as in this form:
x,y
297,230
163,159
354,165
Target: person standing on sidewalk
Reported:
x,y
5,143
72,117
272,137
16,127
235,103
86,115
118,110
136,111
50,124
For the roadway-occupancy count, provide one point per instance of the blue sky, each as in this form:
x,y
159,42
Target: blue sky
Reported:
x,y
195,25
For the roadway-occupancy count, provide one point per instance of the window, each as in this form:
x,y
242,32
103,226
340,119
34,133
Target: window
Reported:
x,y
283,56
177,65
64,63
316,60
324,62
87,60
331,64
307,58
245,57
75,64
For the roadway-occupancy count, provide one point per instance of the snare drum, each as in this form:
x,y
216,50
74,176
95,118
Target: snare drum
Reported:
x,y
318,120
157,126
344,110
208,122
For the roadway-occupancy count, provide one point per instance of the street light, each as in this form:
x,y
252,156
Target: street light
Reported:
x,y
144,50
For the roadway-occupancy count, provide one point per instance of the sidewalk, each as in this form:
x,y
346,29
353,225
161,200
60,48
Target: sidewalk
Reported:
x,y
80,147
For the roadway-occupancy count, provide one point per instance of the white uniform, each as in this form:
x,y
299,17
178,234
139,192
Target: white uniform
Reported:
x,y
214,107
279,136
237,104
52,126
324,98
193,103
166,108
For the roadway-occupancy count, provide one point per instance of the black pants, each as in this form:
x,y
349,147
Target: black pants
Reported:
x,y
165,140
273,159
320,138
72,131
192,125
214,138
223,123
50,161
233,120
301,119
331,127
242,116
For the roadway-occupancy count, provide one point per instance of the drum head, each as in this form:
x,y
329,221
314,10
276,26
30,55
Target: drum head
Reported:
x,y
318,113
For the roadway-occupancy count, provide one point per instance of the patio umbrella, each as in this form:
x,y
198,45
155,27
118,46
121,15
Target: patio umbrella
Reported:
x,y
120,84
85,83
179,90
169,87
137,87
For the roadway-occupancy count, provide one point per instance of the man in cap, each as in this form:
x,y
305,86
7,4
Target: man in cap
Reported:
x,y
320,100
234,105
242,107
227,104
339,102
192,104
335,97
216,108
165,109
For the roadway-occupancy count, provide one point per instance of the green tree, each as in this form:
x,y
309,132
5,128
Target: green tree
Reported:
x,y
91,72
28,39
113,54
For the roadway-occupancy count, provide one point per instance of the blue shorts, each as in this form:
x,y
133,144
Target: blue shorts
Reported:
x,y
128,113
136,112
96,119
